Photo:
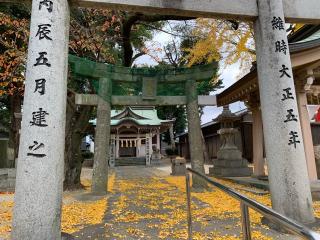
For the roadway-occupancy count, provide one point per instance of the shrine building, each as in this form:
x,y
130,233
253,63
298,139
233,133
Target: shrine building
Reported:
x,y
305,56
135,135
304,47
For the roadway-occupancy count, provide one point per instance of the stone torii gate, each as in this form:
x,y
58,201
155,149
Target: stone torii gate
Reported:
x,y
154,88
37,208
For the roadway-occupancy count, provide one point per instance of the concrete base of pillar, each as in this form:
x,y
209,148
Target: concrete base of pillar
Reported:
x,y
178,167
230,172
260,177
315,190
230,164
156,159
178,170
7,179
112,163
88,163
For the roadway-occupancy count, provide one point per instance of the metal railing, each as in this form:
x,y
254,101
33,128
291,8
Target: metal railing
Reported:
x,y
246,203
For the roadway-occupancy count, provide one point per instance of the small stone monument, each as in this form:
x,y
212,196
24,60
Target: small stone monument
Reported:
x,y
229,162
178,166
156,156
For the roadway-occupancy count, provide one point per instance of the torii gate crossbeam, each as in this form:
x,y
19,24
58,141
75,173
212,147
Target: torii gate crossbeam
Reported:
x,y
300,11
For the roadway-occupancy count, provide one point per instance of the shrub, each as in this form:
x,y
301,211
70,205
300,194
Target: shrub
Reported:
x,y
171,152
87,155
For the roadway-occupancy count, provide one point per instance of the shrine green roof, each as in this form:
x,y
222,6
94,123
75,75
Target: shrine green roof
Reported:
x,y
141,117
314,36
307,37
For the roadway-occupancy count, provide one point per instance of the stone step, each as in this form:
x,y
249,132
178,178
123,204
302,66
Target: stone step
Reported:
x,y
130,161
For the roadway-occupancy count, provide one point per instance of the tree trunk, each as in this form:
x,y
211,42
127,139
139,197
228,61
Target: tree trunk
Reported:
x,y
76,124
172,142
73,161
194,129
15,107
205,149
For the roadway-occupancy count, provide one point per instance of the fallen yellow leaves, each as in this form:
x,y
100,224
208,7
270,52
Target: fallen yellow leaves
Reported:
x,y
259,235
316,206
222,206
135,232
111,180
146,206
5,231
5,218
153,202
77,215
218,236
5,211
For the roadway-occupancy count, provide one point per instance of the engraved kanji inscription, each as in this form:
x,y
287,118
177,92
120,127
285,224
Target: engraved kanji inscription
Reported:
x,y
290,116
284,72
287,94
281,47
34,150
47,4
277,23
40,86
293,140
42,60
44,31
39,118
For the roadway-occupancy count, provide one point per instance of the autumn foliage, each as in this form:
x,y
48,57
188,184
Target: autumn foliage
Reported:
x,y
226,41
218,40
13,47
94,34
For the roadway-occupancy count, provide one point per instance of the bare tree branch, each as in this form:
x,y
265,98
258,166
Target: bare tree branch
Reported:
x,y
139,18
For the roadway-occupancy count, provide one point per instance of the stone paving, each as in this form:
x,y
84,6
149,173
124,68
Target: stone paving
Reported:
x,y
148,203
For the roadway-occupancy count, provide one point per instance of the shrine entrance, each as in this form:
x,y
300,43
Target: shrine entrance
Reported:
x,y
127,152
40,168
136,130
121,86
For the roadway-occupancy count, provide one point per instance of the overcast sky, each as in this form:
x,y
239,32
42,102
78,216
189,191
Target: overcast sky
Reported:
x,y
228,75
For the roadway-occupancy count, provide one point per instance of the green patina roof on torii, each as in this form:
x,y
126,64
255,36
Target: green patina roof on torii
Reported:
x,y
149,83
88,68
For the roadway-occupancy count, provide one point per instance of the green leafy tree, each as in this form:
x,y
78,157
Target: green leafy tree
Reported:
x,y
176,55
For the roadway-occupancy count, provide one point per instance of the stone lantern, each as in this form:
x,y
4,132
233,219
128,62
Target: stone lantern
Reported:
x,y
229,162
